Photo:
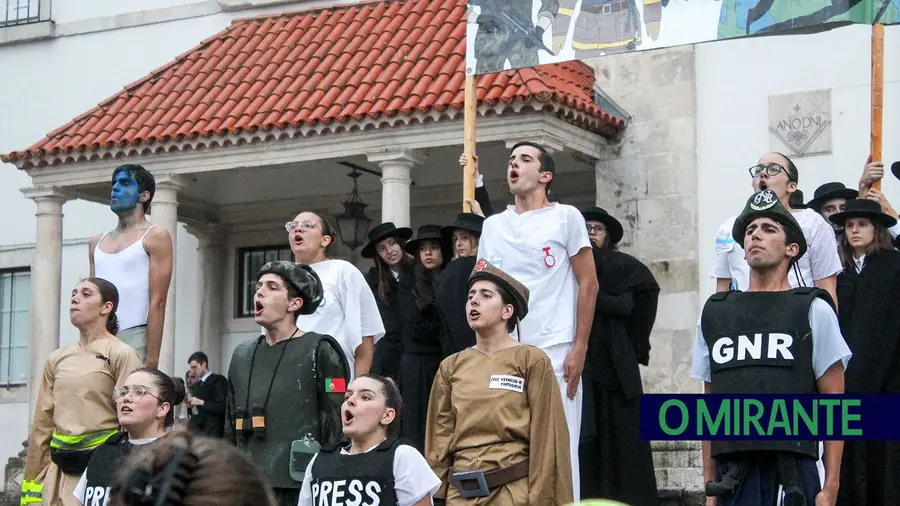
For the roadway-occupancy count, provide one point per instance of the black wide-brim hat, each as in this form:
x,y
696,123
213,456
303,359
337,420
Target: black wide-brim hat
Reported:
x,y
486,270
382,232
428,232
863,208
613,226
830,191
464,221
796,200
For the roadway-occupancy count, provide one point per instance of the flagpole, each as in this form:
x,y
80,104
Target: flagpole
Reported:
x,y
469,114
877,93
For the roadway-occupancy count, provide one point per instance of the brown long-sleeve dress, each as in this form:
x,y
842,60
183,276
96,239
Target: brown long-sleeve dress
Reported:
x,y
479,423
75,399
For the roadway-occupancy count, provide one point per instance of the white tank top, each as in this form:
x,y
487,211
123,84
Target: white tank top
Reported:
x,y
129,270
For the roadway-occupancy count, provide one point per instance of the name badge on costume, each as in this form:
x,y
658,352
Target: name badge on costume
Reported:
x,y
504,382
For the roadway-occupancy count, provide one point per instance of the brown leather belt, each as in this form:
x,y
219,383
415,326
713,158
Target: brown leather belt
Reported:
x,y
480,483
605,9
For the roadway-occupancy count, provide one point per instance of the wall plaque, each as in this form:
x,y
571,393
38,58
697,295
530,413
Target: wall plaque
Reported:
x,y
800,123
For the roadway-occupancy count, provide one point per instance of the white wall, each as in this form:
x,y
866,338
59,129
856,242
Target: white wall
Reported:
x,y
45,85
735,79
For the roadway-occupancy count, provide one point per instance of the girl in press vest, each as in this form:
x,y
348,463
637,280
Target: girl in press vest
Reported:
x,y
374,467
145,404
74,412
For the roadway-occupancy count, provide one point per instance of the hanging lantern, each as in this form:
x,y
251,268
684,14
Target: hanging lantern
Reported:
x,y
353,224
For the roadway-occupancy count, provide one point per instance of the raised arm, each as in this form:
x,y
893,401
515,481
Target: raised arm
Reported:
x,y
158,244
92,244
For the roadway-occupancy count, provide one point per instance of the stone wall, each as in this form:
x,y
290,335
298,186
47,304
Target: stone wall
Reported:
x,y
649,182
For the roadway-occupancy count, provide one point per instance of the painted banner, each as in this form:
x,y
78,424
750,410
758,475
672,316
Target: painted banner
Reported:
x,y
509,34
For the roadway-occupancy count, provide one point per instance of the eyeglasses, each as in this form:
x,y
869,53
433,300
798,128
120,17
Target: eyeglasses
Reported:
x,y
771,169
600,229
136,392
305,225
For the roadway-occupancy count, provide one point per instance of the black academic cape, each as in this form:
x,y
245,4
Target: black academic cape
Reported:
x,y
615,463
869,313
388,349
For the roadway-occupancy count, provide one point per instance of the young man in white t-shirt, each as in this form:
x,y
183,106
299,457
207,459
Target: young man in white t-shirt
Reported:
x,y
348,311
819,267
546,247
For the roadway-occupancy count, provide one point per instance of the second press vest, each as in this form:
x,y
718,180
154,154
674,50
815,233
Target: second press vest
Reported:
x,y
364,479
782,363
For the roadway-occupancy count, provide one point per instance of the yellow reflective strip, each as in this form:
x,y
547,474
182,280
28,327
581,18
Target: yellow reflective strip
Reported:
x,y
582,45
565,12
83,442
651,2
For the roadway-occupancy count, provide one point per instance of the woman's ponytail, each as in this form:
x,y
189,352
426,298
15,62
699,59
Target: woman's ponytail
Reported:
x,y
112,324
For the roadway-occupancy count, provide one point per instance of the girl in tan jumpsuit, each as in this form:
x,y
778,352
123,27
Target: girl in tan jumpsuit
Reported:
x,y
75,412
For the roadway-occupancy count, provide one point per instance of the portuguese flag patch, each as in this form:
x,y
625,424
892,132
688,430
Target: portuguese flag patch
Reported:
x,y
335,385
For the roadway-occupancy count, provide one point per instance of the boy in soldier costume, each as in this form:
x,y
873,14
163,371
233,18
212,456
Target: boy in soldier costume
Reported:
x,y
790,362
285,387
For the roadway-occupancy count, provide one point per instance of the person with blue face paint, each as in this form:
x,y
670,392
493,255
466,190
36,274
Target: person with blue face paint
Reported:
x,y
137,257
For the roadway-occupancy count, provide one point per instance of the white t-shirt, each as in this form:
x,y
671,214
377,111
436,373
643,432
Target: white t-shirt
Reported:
x,y
413,477
348,311
828,344
820,261
94,498
535,248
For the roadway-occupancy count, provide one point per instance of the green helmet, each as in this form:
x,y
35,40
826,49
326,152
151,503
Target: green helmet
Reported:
x,y
302,277
765,204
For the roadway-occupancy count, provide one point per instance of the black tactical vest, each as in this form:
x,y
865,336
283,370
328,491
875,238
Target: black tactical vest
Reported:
x,y
105,462
761,343
293,406
364,479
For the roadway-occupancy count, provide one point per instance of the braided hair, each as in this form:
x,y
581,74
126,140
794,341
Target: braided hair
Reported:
x,y
187,470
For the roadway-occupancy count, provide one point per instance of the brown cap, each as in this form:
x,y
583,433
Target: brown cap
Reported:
x,y
486,270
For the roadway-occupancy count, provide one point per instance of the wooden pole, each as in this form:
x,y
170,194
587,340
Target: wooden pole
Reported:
x,y
470,112
877,94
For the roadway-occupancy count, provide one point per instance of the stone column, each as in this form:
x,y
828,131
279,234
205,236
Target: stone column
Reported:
x,y
164,212
46,277
210,266
396,170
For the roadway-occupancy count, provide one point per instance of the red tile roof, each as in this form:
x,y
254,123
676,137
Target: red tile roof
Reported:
x,y
330,66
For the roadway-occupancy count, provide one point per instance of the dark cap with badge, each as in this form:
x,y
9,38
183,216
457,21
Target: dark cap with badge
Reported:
x,y
300,276
519,292
765,204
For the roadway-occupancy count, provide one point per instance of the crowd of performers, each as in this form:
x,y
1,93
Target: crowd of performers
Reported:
x,y
492,361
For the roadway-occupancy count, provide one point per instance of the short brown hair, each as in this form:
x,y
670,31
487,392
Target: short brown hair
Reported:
x,y
211,473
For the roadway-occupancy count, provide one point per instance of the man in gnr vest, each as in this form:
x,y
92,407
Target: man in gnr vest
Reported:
x,y
751,472
285,387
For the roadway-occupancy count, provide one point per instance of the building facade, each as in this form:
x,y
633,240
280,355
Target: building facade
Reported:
x,y
664,146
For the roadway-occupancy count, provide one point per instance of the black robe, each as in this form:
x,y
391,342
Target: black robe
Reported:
x,y
420,360
388,349
869,307
450,293
615,462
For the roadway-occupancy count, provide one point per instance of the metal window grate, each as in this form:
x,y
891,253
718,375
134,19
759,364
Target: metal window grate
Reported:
x,y
22,12
250,260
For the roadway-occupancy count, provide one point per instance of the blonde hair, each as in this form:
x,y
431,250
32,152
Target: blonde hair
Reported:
x,y
191,471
